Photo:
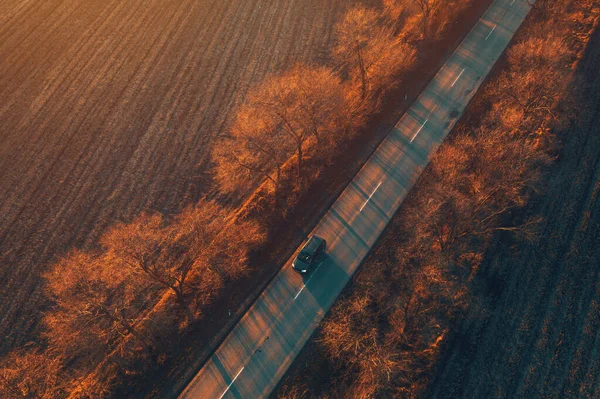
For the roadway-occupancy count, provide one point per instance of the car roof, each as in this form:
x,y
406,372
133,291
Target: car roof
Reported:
x,y
312,244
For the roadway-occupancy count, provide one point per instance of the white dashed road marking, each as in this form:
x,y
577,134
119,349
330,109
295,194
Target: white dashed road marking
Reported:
x,y
489,34
418,131
301,289
307,281
370,196
458,77
232,381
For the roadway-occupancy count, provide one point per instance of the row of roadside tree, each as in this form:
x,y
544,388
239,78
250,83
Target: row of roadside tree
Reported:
x,y
384,336
117,309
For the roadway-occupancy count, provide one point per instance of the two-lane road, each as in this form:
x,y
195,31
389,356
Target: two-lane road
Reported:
x,y
259,350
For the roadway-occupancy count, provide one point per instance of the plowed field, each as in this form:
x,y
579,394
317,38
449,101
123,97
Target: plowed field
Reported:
x,y
537,331
110,107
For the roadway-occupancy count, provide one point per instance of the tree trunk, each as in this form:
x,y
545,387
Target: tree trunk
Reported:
x,y
133,332
407,308
299,160
183,303
363,72
425,24
277,180
276,184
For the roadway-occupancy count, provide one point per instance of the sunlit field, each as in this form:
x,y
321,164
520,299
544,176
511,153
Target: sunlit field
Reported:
x,y
162,161
111,107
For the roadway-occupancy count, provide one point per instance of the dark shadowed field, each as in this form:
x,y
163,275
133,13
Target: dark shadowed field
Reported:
x,y
110,107
536,332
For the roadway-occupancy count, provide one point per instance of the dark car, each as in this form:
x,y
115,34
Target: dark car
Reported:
x,y
311,254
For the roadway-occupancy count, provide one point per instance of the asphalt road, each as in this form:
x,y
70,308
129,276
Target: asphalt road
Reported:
x,y
256,354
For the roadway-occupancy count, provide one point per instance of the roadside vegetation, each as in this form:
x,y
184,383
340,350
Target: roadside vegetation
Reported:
x,y
116,311
534,330
123,302
384,336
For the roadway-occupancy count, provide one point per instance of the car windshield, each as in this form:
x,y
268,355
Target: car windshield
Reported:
x,y
304,257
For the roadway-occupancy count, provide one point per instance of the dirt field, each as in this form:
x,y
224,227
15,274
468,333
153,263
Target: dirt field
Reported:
x,y
536,332
110,107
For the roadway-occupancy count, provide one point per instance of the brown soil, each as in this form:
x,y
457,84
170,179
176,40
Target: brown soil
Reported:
x,y
536,329
110,107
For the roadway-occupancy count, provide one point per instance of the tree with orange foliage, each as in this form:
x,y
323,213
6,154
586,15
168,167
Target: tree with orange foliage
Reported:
x,y
433,16
31,374
281,117
96,302
395,13
306,105
163,254
469,196
253,148
352,337
550,53
372,55
182,254
427,10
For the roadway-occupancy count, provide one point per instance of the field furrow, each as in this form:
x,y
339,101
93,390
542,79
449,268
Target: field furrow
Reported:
x,y
109,108
539,336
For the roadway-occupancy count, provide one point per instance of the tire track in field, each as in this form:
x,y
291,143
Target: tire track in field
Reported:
x,y
152,141
567,307
50,92
39,151
91,168
23,43
560,382
19,23
8,12
97,85
221,67
15,300
556,275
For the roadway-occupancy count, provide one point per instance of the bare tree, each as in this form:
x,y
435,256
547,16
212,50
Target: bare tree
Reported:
x,y
427,10
30,374
305,103
394,13
252,149
305,108
523,85
475,180
359,26
321,103
352,336
230,252
433,16
183,253
372,54
95,303
164,254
